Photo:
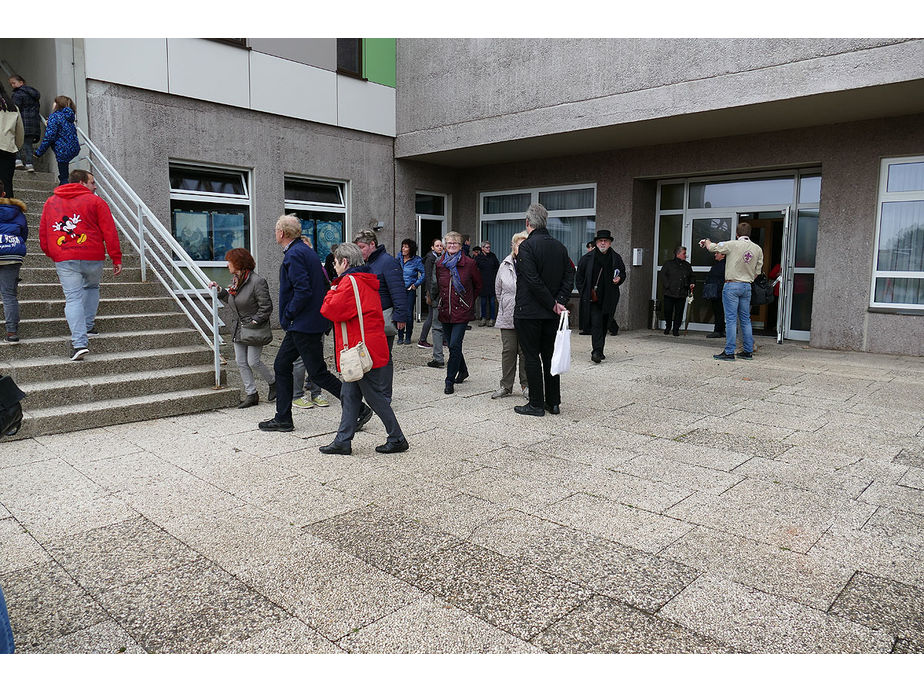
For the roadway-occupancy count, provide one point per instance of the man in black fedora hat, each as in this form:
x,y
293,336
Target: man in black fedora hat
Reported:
x,y
599,275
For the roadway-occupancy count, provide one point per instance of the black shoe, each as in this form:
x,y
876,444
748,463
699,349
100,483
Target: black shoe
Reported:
x,y
552,409
250,401
78,353
468,327
667,330
336,449
12,337
603,356
529,410
93,331
392,446
745,355
715,335
364,415
461,378
272,393
723,357
273,425
676,333
436,364
595,357
449,389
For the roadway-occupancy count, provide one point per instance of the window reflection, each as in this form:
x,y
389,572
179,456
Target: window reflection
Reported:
x,y
770,191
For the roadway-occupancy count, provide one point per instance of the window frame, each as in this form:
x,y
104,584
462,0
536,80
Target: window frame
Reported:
x,y
534,199
361,59
217,199
884,197
290,205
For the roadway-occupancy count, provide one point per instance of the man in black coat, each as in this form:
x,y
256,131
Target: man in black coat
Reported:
x,y
488,264
545,277
677,283
27,101
599,276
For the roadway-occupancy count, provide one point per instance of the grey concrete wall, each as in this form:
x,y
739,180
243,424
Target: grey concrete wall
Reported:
x,y
849,156
141,131
465,92
411,177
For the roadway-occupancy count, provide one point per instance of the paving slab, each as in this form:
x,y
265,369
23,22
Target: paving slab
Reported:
x,y
288,637
193,608
430,626
107,637
606,626
20,549
753,621
882,604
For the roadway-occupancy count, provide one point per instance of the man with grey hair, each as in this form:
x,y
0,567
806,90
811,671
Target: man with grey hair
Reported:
x,y
302,287
392,291
545,278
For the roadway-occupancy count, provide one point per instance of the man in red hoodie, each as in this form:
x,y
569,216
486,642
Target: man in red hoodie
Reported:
x,y
76,230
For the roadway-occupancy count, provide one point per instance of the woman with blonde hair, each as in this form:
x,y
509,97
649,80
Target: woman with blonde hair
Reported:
x,y
505,286
459,283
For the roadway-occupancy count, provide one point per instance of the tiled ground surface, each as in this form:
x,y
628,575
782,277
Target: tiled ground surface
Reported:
x,y
677,504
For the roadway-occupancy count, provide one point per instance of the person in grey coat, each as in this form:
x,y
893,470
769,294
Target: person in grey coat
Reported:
x,y
249,299
505,288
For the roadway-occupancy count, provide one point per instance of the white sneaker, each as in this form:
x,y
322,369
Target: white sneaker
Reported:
x,y
319,401
502,392
30,168
302,403
19,165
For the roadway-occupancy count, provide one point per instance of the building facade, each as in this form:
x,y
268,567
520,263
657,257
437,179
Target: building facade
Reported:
x,y
819,144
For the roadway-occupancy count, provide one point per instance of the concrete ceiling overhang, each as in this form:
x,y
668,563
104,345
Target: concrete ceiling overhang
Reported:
x,y
881,101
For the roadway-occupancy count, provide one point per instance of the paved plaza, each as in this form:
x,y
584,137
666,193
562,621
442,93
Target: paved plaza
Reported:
x,y
677,504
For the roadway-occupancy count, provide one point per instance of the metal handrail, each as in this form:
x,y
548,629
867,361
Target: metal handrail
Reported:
x,y
159,251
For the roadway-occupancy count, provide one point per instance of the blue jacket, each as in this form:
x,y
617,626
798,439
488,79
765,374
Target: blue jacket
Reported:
x,y
13,229
413,271
392,289
60,135
302,288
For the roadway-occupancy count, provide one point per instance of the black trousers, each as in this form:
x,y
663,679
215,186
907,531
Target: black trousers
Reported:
x,y
673,312
599,322
7,166
537,339
718,310
311,348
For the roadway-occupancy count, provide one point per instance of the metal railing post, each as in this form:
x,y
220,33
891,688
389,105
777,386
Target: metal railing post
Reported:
x,y
214,290
144,268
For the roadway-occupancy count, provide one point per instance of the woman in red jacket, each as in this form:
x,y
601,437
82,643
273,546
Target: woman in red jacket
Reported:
x,y
459,283
340,307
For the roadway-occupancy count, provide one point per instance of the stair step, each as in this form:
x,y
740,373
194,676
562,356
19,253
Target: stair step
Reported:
x,y
57,326
64,419
97,388
108,307
47,274
58,346
118,289
58,366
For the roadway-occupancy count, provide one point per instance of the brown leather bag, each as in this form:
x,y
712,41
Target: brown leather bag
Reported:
x,y
594,298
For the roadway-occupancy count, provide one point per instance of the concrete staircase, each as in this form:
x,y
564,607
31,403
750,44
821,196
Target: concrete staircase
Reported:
x,y
148,361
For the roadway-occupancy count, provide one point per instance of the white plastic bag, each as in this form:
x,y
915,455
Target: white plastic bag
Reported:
x,y
561,356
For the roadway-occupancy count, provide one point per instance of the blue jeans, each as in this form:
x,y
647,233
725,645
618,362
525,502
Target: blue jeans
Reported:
x,y
9,278
455,366
80,281
64,171
409,325
488,303
736,297
26,153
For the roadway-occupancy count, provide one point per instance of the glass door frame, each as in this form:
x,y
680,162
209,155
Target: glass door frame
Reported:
x,y
790,214
419,218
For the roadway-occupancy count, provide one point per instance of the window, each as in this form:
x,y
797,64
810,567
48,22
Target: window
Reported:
x,y
572,215
350,56
898,267
210,215
321,207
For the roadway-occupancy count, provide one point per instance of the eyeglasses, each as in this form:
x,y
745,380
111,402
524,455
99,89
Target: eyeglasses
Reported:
x,y
452,243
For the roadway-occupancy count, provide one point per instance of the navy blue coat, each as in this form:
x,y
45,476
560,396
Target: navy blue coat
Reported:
x,y
392,290
302,288
13,229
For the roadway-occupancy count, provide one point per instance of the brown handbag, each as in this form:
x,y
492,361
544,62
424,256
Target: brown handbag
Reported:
x,y
594,298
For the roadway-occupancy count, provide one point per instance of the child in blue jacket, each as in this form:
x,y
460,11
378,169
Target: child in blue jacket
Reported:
x,y
61,136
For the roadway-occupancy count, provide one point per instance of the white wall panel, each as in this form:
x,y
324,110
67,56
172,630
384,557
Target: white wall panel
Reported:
x,y
292,89
365,106
133,62
209,71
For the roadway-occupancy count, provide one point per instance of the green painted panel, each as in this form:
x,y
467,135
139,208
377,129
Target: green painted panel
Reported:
x,y
379,59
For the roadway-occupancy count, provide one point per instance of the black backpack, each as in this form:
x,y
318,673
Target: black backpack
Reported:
x,y
10,407
761,291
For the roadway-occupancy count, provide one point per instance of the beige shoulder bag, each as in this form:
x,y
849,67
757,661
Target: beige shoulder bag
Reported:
x,y
355,361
